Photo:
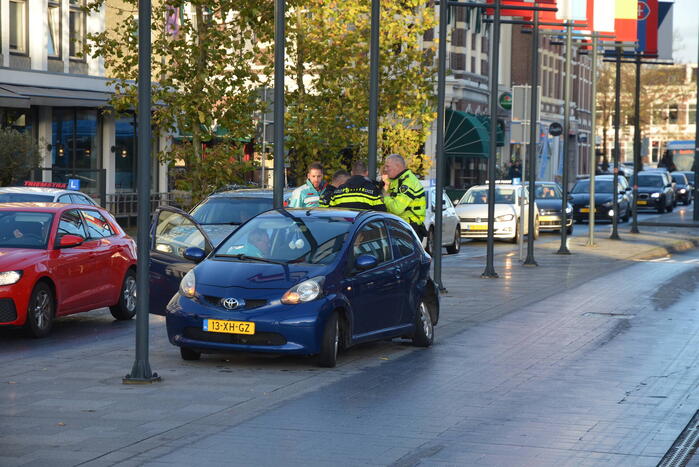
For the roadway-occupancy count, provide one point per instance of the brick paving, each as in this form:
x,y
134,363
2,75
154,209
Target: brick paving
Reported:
x,y
581,361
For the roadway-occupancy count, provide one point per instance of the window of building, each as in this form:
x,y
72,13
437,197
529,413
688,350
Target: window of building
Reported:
x,y
54,28
18,26
75,144
692,114
17,119
673,114
76,28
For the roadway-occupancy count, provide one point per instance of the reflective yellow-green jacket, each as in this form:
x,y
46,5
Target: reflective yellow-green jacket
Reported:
x,y
406,198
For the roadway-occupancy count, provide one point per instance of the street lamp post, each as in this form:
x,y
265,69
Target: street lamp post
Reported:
x,y
279,57
533,121
489,271
441,78
563,249
617,149
636,144
141,372
593,152
374,85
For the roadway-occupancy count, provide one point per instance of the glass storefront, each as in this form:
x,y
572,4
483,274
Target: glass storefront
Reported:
x,y
125,153
75,144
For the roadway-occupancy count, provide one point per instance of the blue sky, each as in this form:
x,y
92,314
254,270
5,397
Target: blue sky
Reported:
x,y
686,19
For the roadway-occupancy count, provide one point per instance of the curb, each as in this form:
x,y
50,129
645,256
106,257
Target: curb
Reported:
x,y
660,251
689,225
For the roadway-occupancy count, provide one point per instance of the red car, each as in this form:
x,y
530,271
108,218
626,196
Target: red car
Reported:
x,y
60,259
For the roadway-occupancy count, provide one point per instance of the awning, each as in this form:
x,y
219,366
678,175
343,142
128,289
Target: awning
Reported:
x,y
13,100
56,97
465,135
499,131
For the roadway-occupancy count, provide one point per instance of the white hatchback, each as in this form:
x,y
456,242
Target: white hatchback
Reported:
x,y
451,232
26,194
472,210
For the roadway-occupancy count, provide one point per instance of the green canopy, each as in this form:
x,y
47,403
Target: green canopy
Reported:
x,y
465,135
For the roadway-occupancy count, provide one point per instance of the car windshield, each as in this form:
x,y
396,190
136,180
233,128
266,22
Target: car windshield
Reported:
x,y
230,210
287,239
690,177
653,181
480,196
601,186
21,229
679,178
548,191
24,198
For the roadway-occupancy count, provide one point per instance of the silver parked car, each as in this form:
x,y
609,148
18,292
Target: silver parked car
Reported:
x,y
451,233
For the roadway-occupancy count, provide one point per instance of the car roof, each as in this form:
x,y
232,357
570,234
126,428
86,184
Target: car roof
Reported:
x,y
44,207
653,172
325,213
246,193
34,190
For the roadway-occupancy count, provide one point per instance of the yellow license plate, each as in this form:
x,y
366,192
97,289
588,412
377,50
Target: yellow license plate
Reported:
x,y
477,227
642,202
585,210
549,218
229,327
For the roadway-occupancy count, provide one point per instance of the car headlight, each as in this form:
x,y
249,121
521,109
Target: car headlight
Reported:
x,y
505,218
188,284
10,277
304,291
682,190
569,209
655,195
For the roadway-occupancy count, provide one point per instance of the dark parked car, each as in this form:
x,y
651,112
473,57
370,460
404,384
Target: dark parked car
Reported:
x,y
549,201
655,191
298,281
222,212
683,189
604,207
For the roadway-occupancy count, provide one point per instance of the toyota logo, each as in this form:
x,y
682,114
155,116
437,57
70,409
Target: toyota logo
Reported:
x,y
230,303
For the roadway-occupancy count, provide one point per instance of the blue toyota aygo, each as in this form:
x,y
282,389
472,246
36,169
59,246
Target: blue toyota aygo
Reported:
x,y
296,281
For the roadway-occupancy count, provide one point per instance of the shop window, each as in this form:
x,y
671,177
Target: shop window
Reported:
x,y
76,29
54,28
18,26
692,114
672,114
75,143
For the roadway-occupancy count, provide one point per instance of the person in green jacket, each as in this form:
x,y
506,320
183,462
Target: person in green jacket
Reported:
x,y
308,195
404,195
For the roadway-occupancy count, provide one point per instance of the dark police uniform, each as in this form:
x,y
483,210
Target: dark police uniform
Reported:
x,y
358,192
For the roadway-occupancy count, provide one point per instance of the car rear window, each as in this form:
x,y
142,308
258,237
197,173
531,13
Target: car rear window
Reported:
x,y
24,198
231,211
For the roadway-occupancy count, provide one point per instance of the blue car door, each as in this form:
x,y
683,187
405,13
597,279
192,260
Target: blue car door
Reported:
x,y
406,250
172,232
373,293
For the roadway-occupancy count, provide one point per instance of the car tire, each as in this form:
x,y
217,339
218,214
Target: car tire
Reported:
x,y
455,247
537,231
627,214
40,311
424,329
330,345
671,207
661,208
189,354
687,201
569,230
125,309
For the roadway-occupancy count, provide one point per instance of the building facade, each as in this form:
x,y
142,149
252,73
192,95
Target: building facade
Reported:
x,y
49,89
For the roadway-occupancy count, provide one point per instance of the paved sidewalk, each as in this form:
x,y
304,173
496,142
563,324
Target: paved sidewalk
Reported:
x,y
62,401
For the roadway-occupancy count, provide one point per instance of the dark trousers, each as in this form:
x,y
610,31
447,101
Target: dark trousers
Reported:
x,y
420,230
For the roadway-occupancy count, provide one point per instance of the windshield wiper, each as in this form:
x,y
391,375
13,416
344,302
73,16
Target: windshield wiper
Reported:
x,y
253,258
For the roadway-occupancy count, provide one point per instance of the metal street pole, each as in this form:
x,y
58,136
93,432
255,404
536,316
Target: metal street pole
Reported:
x,y
636,144
593,152
279,57
563,250
141,372
374,85
439,154
533,121
617,149
695,216
489,271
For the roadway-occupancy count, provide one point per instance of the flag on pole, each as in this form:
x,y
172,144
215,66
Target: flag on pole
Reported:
x,y
647,28
665,30
625,20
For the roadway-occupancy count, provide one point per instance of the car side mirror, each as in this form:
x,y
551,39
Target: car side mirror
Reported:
x,y
364,262
70,241
194,254
669,185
